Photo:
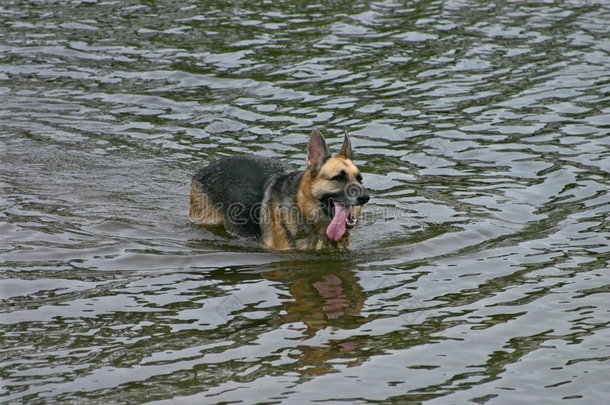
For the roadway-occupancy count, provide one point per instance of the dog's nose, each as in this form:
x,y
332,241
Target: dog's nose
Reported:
x,y
363,198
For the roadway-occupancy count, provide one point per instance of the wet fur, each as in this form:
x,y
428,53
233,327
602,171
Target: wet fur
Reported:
x,y
260,197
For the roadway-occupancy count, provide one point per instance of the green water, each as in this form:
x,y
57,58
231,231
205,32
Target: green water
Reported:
x,y
479,270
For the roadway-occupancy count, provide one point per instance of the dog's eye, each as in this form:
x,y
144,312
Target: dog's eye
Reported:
x,y
359,178
340,177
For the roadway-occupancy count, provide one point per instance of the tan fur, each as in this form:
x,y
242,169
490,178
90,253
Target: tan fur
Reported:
x,y
322,184
274,235
201,210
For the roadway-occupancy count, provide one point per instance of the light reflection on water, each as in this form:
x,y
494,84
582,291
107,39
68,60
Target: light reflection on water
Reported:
x,y
477,274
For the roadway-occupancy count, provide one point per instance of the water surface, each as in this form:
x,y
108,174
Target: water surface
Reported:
x,y
479,270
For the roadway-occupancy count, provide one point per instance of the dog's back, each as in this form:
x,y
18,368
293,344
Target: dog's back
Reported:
x,y
229,191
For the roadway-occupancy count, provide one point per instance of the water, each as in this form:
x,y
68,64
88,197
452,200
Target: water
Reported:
x,y
479,271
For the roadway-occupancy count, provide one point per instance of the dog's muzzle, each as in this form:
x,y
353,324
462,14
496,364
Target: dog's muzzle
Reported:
x,y
339,208
356,194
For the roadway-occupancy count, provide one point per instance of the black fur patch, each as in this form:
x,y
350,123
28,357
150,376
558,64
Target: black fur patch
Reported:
x,y
237,184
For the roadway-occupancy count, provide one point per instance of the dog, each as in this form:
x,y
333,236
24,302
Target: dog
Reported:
x,y
260,197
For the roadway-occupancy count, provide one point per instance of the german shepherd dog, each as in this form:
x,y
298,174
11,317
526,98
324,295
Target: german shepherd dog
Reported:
x,y
259,197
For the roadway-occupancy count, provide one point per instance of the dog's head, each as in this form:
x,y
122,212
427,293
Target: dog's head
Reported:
x,y
336,183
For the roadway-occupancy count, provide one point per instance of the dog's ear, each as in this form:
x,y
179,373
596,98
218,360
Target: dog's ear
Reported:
x,y
346,148
317,151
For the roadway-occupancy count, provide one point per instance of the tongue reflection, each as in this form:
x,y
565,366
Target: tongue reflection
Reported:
x,y
337,226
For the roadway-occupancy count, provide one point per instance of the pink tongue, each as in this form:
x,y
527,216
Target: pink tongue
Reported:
x,y
336,229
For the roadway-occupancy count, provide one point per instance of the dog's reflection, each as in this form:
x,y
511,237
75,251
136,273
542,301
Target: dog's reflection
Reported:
x,y
323,296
